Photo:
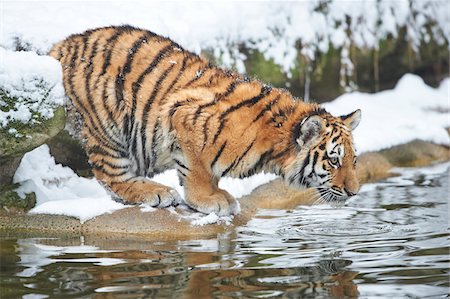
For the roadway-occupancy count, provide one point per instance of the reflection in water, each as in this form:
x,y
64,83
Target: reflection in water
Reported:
x,y
43,266
391,241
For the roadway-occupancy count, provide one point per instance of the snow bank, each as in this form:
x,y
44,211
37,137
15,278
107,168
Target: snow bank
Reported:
x,y
412,110
59,191
273,28
33,84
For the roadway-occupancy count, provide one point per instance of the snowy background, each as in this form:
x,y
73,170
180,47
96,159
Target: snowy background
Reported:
x,y
411,110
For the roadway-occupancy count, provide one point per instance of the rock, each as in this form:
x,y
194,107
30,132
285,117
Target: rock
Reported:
x,y
68,151
13,148
416,153
372,167
31,106
11,202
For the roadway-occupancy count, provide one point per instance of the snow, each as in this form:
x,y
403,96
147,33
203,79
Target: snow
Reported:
x,y
36,84
59,191
273,28
412,110
199,219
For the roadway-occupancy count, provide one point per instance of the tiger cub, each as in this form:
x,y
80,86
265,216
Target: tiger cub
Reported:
x,y
148,105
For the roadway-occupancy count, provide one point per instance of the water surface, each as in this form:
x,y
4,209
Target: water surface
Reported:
x,y
391,241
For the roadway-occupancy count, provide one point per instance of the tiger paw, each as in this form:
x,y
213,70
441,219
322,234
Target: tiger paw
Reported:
x,y
147,192
220,202
162,197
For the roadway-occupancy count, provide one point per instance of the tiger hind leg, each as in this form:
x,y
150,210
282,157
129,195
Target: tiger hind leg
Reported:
x,y
114,169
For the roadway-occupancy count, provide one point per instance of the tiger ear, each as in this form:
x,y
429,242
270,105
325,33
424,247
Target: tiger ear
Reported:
x,y
352,120
309,129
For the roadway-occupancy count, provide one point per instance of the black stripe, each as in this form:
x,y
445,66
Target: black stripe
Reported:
x,y
118,87
198,74
175,80
205,131
111,42
262,159
173,109
218,154
149,103
94,134
68,57
236,162
136,86
126,125
181,164
267,108
94,114
108,173
105,106
281,154
88,72
112,165
97,149
302,169
316,156
76,49
127,66
219,97
265,90
155,132
180,173
85,45
134,49
334,139
134,148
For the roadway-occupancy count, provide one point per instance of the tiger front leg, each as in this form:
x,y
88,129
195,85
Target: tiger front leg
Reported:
x,y
203,194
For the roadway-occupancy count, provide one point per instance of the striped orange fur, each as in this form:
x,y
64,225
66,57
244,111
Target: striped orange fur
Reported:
x,y
148,105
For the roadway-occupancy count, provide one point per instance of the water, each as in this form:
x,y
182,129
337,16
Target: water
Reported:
x,y
391,241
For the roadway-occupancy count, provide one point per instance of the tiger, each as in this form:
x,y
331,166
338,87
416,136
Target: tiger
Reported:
x,y
148,105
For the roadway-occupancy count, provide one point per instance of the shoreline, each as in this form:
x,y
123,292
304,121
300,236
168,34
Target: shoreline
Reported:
x,y
162,224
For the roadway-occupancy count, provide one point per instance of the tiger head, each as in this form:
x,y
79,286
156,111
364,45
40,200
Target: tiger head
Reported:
x,y
325,157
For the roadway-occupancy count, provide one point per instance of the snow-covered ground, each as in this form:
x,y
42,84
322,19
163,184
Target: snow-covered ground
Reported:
x,y
412,110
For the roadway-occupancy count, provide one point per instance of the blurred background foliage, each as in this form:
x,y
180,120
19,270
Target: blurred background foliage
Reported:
x,y
372,56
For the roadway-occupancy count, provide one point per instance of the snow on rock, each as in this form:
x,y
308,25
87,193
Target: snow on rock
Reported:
x,y
59,191
412,110
33,85
83,208
200,219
